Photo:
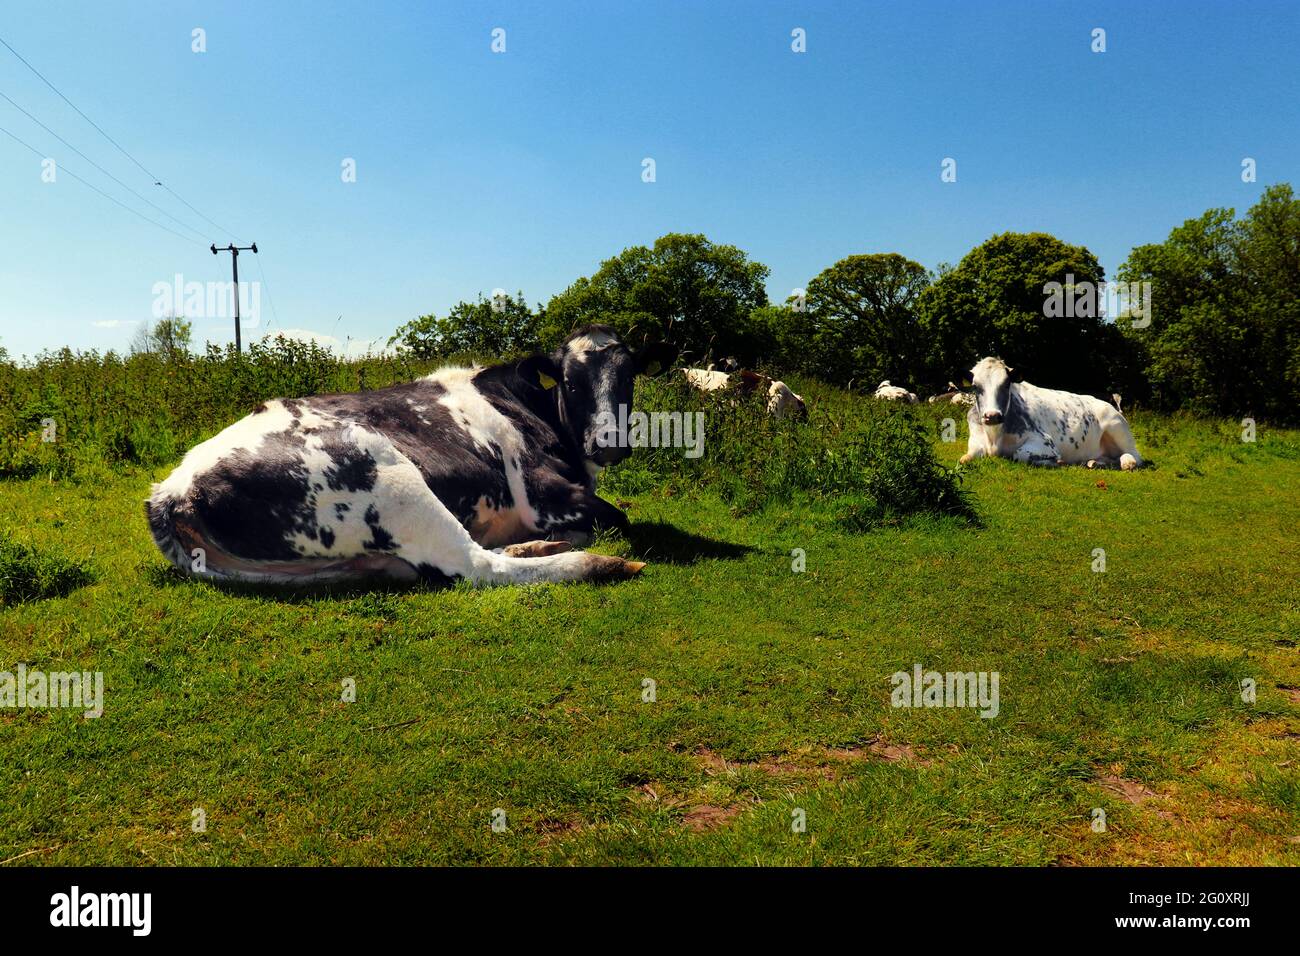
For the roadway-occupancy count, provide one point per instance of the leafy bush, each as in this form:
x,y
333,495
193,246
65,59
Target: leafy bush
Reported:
x,y
28,574
874,460
500,326
149,408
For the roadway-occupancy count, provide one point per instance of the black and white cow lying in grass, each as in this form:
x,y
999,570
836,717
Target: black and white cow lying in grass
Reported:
x,y
1042,426
486,474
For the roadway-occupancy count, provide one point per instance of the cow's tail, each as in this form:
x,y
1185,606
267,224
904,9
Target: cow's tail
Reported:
x,y
180,535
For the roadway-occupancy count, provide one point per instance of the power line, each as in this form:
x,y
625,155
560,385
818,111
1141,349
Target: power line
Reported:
x,y
134,212
274,315
156,181
99,167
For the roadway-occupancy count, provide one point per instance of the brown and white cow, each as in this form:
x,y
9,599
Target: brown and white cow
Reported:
x,y
782,402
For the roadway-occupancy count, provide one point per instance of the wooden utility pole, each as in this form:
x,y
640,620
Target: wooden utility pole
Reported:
x,y
234,265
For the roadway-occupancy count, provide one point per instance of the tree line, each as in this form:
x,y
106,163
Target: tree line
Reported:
x,y
1218,330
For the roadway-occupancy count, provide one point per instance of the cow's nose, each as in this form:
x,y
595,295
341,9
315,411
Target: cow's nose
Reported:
x,y
992,418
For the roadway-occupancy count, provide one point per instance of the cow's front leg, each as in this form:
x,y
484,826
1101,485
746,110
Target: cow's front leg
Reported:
x,y
535,549
1039,453
976,447
586,515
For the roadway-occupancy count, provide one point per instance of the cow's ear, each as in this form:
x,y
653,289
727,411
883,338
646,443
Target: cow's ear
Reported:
x,y
654,358
541,371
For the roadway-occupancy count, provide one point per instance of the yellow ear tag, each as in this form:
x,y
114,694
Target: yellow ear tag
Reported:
x,y
546,380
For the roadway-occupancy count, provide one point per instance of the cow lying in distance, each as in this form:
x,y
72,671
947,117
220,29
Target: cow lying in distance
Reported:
x,y
781,401
1043,426
953,396
418,481
892,393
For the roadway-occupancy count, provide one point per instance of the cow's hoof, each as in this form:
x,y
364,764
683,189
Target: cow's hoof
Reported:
x,y
536,549
604,567
1092,462
1128,462
965,459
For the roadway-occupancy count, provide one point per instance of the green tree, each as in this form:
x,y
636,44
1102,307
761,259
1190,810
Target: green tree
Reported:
x,y
861,319
1224,335
994,302
497,327
685,289
169,337
781,337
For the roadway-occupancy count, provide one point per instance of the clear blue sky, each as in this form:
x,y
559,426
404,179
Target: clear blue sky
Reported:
x,y
522,170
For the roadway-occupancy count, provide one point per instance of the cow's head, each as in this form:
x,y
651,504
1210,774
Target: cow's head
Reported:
x,y
592,373
991,378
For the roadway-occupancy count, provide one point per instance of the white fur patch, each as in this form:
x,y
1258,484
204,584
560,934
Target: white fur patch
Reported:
x,y
247,433
489,429
781,401
706,380
894,393
591,341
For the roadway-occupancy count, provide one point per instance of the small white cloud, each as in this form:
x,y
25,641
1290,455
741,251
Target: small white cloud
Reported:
x,y
351,348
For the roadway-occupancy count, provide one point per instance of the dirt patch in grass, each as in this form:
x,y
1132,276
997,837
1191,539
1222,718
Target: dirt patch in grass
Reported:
x,y
551,830
1130,790
714,805
882,750
1212,816
707,816
825,762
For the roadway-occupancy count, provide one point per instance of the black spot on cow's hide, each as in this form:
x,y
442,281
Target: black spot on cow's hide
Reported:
x,y
432,577
380,539
353,470
252,506
1016,420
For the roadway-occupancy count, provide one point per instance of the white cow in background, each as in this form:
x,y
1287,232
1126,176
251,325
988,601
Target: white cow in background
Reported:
x,y
1043,426
892,393
954,396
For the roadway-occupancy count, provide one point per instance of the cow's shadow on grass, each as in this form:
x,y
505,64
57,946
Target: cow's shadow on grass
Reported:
x,y
665,543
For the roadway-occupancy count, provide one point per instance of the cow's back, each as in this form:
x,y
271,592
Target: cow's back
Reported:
x,y
1074,423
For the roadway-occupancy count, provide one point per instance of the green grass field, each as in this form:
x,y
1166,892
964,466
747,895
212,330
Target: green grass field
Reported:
x,y
1119,690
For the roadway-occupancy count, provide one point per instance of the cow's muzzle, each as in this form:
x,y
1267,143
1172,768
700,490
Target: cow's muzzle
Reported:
x,y
992,418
